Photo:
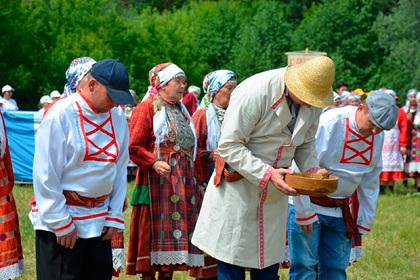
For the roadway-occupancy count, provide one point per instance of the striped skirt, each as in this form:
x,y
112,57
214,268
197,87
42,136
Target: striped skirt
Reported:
x,y
11,259
160,233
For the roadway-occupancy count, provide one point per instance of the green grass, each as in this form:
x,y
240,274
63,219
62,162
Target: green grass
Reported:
x,y
390,251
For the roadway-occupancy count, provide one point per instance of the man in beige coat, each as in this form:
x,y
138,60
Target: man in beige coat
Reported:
x,y
272,120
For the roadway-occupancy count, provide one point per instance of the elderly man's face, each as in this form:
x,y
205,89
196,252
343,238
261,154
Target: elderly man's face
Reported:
x,y
99,97
364,122
7,94
296,100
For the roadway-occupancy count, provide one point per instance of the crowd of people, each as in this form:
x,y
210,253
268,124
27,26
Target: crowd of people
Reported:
x,y
210,196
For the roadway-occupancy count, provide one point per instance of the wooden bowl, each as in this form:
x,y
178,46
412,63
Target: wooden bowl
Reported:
x,y
312,184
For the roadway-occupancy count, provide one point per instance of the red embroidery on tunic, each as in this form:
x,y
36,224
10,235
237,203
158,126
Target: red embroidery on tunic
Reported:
x,y
93,151
274,106
353,152
263,186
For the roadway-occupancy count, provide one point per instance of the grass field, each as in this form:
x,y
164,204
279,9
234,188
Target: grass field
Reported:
x,y
391,251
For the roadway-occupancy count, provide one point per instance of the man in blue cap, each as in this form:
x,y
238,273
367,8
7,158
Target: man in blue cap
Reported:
x,y
349,145
81,156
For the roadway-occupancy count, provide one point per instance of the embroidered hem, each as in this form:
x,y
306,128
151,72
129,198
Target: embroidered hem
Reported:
x,y
118,259
12,271
178,257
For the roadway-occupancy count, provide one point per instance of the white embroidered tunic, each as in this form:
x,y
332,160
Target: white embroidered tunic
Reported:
x,y
354,158
78,149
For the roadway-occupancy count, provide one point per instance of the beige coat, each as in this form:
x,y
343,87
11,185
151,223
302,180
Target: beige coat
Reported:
x,y
244,222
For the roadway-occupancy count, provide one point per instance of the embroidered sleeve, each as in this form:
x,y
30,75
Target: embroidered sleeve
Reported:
x,y
304,213
141,128
403,126
266,178
367,193
201,162
49,160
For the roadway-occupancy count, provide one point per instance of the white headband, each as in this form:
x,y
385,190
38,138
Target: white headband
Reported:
x,y
168,73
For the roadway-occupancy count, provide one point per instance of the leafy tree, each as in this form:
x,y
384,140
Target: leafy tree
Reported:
x,y
373,42
219,30
343,29
399,34
263,40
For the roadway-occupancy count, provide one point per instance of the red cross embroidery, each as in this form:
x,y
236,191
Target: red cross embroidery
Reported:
x,y
357,157
104,153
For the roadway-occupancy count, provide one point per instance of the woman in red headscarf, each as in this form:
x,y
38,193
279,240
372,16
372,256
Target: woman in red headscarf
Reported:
x,y
165,200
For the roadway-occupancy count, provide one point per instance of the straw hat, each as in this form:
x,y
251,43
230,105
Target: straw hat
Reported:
x,y
312,81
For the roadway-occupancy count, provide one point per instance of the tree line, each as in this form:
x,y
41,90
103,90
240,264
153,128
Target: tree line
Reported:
x,y
374,43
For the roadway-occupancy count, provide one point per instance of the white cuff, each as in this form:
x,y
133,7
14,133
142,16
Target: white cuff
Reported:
x,y
65,229
307,220
115,221
363,230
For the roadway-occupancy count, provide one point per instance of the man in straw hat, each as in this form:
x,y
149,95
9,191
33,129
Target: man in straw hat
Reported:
x,y
80,176
273,120
349,145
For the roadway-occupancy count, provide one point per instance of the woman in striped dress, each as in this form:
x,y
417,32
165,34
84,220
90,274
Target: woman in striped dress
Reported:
x,y
166,199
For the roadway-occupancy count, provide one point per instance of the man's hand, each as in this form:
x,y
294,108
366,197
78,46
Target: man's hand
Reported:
x,y
162,168
277,177
109,232
308,228
68,240
323,172
403,150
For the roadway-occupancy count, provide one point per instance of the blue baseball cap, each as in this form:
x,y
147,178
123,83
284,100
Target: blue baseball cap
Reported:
x,y
114,77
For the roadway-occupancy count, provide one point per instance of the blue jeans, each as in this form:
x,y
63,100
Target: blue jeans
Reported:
x,y
227,271
327,246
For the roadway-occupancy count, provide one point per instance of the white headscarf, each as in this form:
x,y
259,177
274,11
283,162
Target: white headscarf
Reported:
x,y
212,84
411,92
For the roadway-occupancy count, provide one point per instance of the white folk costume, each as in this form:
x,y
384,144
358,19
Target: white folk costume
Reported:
x,y
392,158
83,151
357,162
243,222
355,159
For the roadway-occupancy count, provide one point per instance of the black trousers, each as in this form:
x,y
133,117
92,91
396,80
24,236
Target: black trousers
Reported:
x,y
89,259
